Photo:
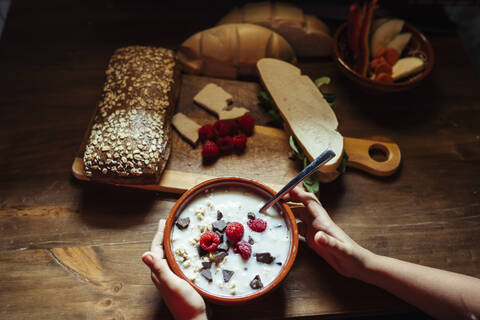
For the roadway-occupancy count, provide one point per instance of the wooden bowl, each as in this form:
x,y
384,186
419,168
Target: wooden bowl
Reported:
x,y
220,183
419,46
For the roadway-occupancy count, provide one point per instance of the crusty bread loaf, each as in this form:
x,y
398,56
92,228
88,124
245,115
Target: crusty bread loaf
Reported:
x,y
307,114
129,139
232,50
308,35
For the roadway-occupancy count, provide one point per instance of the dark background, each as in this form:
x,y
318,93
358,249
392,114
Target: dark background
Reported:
x,y
97,28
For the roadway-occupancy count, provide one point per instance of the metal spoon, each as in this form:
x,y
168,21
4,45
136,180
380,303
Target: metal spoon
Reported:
x,y
317,163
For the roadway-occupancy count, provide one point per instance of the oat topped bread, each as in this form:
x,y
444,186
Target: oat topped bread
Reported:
x,y
129,138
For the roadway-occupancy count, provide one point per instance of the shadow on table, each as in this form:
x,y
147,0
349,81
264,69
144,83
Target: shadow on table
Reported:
x,y
381,180
108,206
162,312
331,194
271,306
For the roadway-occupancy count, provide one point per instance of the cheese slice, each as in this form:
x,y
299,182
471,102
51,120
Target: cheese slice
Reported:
x,y
217,100
305,111
186,127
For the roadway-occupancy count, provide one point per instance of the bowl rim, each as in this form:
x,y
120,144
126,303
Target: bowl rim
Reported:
x,y
254,186
396,85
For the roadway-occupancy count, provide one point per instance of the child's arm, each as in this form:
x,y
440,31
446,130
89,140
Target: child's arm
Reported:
x,y
442,294
182,300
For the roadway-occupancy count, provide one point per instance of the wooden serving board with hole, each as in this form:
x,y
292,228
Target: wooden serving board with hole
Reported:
x,y
267,159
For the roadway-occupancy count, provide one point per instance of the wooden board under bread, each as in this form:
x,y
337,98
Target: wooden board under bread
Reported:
x,y
185,168
267,158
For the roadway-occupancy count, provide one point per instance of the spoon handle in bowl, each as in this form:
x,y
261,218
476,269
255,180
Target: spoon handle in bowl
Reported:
x,y
305,173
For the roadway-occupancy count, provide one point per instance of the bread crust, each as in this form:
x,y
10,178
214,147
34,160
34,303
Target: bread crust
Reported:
x,y
129,140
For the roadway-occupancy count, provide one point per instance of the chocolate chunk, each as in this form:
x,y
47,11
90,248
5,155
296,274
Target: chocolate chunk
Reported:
x,y
219,226
279,263
264,257
183,223
245,268
201,252
250,240
227,275
223,247
206,265
256,283
219,257
206,274
251,215
219,215
220,235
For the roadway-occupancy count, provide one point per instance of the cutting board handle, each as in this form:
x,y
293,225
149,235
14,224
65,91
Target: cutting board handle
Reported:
x,y
359,155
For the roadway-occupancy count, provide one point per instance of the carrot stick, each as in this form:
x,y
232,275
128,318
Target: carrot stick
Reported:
x,y
361,65
355,16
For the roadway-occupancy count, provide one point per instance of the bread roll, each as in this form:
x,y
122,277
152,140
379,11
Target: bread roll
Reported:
x,y
129,139
309,36
232,50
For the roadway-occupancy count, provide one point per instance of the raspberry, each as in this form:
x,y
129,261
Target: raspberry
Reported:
x,y
210,150
235,127
239,142
206,133
234,232
246,124
223,128
244,248
209,241
225,144
257,225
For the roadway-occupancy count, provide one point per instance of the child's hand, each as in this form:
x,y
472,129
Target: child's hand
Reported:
x,y
182,300
325,237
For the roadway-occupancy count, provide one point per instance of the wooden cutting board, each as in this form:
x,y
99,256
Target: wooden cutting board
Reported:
x,y
267,158
185,168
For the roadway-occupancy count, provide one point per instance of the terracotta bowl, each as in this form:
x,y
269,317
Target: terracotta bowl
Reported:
x,y
251,186
418,46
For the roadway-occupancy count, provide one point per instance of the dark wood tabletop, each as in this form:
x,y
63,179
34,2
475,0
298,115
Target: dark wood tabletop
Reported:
x,y
71,249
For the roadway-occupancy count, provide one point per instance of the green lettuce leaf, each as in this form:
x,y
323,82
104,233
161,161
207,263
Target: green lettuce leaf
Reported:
x,y
298,151
311,183
343,165
267,103
330,97
322,81
264,98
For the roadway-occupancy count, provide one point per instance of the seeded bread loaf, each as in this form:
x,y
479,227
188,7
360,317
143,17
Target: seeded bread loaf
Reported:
x,y
129,139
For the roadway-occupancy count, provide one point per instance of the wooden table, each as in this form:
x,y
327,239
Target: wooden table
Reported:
x,y
71,250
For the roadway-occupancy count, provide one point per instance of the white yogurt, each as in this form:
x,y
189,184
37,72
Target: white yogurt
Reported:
x,y
234,203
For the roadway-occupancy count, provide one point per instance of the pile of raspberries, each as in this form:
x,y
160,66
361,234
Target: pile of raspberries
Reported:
x,y
234,231
225,136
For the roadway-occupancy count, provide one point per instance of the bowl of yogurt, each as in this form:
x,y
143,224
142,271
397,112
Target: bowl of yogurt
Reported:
x,y
216,239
